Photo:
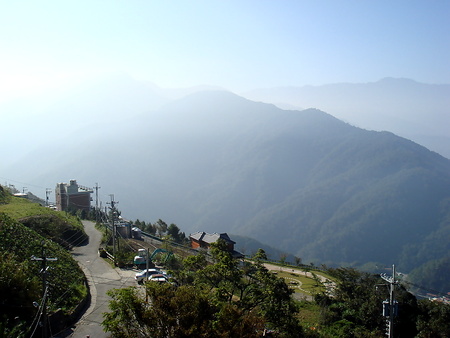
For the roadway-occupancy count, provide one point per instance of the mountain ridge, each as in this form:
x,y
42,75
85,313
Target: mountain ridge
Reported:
x,y
411,109
302,181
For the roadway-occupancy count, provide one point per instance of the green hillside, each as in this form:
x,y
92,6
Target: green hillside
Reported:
x,y
21,282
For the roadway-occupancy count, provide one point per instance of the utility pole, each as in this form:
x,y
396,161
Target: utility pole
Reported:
x,y
96,195
47,193
390,307
96,201
147,264
43,271
113,216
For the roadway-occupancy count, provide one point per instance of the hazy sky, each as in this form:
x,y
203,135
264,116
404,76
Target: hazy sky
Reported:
x,y
239,45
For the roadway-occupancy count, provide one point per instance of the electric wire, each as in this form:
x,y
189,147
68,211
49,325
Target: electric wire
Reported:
x,y
436,292
41,310
38,313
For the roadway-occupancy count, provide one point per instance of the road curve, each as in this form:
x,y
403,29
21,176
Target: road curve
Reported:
x,y
101,278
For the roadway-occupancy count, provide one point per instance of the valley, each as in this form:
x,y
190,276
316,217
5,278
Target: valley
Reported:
x,y
300,181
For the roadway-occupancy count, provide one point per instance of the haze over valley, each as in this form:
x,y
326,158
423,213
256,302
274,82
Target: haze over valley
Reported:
x,y
301,181
320,129
416,111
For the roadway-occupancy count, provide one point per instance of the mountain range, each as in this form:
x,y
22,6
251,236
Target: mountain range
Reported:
x,y
416,111
301,181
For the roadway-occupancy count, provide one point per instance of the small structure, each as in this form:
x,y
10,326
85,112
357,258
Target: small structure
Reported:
x,y
203,240
123,228
136,233
72,196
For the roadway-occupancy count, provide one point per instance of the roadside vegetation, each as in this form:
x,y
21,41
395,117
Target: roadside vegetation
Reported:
x,y
222,299
28,229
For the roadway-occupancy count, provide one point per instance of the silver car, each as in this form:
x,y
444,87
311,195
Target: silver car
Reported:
x,y
141,276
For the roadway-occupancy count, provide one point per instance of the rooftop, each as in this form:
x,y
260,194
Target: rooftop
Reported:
x,y
211,238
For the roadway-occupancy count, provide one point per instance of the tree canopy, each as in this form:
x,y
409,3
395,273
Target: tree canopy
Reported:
x,y
228,298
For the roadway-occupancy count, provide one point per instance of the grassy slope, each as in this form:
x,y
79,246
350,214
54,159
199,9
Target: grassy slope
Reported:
x,y
18,208
65,278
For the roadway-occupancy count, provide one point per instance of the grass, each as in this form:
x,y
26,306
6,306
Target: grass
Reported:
x,y
302,283
19,208
309,315
23,242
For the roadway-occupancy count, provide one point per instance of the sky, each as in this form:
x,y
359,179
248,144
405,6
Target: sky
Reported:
x,y
236,44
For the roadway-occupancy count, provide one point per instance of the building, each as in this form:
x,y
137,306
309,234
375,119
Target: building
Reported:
x,y
203,240
72,196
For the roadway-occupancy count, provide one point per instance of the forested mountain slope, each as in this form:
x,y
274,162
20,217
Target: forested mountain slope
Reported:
x,y
301,181
417,111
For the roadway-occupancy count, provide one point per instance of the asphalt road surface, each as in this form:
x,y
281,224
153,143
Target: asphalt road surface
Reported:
x,y
101,277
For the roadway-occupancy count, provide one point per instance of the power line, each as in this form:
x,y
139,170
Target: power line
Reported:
x,y
440,293
44,259
38,316
27,183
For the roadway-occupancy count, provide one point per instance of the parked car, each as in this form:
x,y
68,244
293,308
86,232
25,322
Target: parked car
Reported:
x,y
141,276
160,278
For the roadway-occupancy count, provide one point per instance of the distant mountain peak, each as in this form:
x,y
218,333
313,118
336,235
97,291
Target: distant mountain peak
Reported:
x,y
397,81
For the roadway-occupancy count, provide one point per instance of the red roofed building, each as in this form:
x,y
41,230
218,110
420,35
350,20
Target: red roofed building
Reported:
x,y
203,240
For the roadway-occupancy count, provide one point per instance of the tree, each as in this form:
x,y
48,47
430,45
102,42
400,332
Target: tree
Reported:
x,y
174,231
183,311
16,331
222,299
253,289
260,255
19,288
433,319
161,227
150,228
354,302
356,306
127,315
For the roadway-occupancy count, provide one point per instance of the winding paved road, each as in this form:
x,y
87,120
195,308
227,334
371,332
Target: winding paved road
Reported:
x,y
101,277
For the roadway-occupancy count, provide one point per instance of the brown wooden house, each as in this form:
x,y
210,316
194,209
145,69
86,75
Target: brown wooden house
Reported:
x,y
203,240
